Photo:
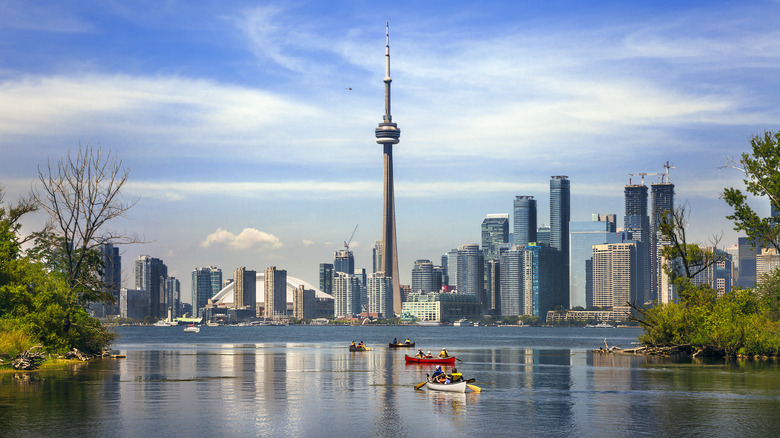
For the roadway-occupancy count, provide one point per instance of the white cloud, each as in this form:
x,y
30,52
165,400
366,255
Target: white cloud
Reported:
x,y
246,239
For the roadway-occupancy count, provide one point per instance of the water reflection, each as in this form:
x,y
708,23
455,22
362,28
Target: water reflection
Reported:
x,y
300,389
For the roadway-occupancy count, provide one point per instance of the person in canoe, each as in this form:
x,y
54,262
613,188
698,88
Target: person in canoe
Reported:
x,y
443,354
352,344
395,341
437,373
408,341
456,376
420,353
428,355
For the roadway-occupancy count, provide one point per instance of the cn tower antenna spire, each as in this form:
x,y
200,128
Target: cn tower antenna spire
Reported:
x,y
388,117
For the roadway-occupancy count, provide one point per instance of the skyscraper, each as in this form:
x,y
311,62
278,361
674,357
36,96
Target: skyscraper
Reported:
x,y
512,281
422,276
377,256
245,288
388,134
539,269
344,261
493,286
275,293
173,294
206,282
524,227
637,222
495,233
663,203
346,294
111,277
380,289
326,278
614,275
471,266
560,215
583,236
150,275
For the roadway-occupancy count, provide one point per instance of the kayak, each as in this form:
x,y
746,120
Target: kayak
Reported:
x,y
449,387
433,360
409,345
356,348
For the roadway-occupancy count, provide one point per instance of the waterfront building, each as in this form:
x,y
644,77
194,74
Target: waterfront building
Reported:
x,y
134,303
377,256
663,205
304,302
637,222
493,286
511,281
275,303
540,293
582,236
560,215
111,279
443,307
471,274
388,134
173,297
245,288
346,295
344,261
380,290
150,275
422,276
495,233
554,316
326,278
614,275
206,282
524,226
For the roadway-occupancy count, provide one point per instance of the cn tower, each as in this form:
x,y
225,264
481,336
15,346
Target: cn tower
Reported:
x,y
388,134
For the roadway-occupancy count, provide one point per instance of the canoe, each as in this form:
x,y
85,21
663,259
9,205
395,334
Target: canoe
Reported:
x,y
448,387
409,345
351,348
432,360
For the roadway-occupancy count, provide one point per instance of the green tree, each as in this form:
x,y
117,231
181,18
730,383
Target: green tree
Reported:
x,y
762,178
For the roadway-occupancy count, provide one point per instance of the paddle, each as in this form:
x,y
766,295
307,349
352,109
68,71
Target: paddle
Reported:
x,y
420,385
456,359
474,388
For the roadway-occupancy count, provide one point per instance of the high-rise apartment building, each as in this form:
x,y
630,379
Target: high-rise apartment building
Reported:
x,y
275,293
512,285
747,253
539,286
543,235
524,226
111,278
493,286
637,222
452,268
304,303
346,295
326,278
583,235
422,276
663,204
344,261
150,275
471,274
560,215
377,256
206,282
614,275
173,296
380,290
495,234
245,288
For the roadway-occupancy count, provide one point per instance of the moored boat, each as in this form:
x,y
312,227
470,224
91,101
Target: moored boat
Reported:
x,y
405,345
448,387
432,360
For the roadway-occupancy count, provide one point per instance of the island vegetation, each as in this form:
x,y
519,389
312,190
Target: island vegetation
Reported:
x,y
49,278
743,322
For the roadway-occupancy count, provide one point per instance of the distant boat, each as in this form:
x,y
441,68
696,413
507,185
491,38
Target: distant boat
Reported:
x,y
429,323
462,323
602,324
162,323
192,329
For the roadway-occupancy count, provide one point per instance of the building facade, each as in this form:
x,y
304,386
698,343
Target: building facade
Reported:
x,y
150,275
524,225
206,282
245,288
560,215
512,285
380,289
304,303
637,222
471,274
326,278
663,205
275,293
442,307
346,295
422,276
614,275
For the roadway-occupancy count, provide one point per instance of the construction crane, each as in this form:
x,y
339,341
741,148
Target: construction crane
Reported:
x,y
347,242
667,166
642,174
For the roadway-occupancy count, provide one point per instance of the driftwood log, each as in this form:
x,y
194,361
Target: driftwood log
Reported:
x,y
28,360
670,350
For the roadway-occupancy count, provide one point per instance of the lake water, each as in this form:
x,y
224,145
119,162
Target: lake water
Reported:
x,y
303,381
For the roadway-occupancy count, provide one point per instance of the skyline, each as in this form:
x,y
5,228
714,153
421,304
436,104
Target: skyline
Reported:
x,y
247,129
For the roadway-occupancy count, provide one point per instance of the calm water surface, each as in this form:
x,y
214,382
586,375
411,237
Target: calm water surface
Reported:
x,y
302,381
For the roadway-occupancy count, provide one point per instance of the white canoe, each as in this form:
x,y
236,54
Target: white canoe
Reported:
x,y
449,387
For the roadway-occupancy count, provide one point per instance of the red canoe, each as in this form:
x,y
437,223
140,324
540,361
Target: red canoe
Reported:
x,y
435,360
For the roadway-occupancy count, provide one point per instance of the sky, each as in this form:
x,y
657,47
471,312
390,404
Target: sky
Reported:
x,y
248,127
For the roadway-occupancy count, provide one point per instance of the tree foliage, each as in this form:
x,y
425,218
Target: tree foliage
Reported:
x,y
762,178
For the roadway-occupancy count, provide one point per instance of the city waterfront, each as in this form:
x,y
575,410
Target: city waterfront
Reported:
x,y
302,381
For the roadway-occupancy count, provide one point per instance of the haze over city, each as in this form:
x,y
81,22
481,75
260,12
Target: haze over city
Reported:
x,y
249,130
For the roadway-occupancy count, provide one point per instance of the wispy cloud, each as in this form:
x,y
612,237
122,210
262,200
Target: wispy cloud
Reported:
x,y
248,238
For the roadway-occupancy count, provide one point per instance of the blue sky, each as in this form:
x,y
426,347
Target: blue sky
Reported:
x,y
248,128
